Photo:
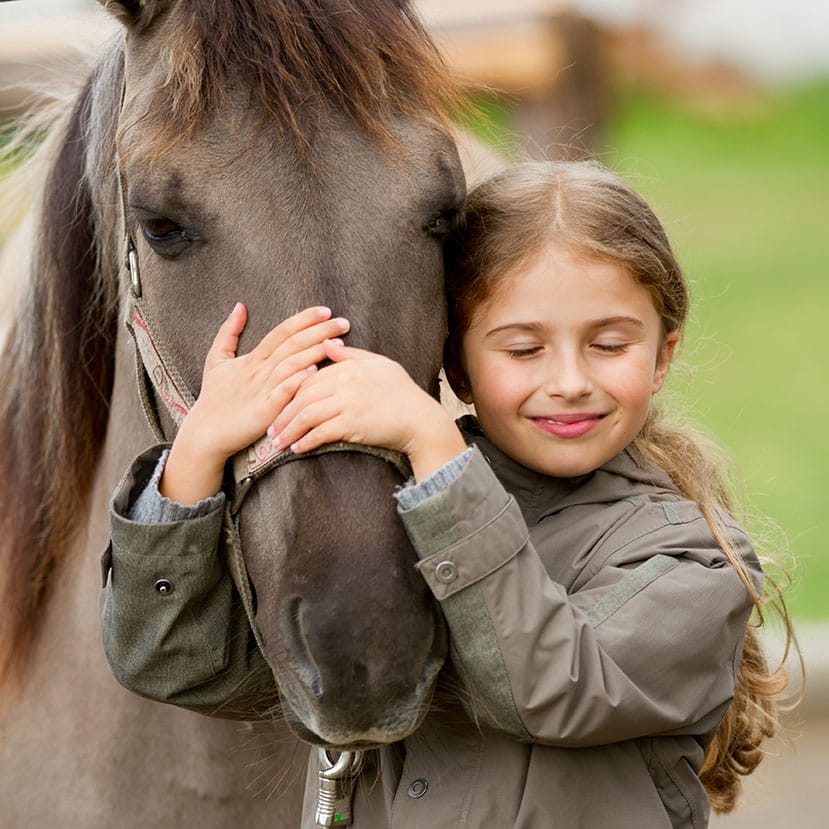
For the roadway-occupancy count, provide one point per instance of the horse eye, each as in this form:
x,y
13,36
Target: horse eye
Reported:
x,y
157,229
442,224
166,237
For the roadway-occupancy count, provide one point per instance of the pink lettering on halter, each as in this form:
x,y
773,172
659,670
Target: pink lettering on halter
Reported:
x,y
139,321
259,453
162,382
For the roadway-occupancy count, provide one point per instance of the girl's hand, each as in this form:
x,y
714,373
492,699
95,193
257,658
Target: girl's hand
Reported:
x,y
241,396
368,399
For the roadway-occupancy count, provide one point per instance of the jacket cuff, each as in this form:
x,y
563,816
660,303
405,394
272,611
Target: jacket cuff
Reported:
x,y
466,531
412,493
138,497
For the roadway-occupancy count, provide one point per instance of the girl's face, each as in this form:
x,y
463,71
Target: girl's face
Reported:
x,y
562,362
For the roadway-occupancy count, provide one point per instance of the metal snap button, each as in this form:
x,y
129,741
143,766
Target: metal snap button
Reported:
x,y
417,788
446,572
164,587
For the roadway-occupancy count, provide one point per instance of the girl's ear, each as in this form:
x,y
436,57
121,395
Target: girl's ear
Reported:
x,y
663,361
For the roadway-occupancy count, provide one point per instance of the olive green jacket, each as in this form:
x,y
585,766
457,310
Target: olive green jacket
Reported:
x,y
595,621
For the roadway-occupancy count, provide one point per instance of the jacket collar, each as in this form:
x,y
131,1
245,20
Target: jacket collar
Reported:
x,y
626,475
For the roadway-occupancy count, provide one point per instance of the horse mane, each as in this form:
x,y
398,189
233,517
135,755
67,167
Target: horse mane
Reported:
x,y
57,365
373,58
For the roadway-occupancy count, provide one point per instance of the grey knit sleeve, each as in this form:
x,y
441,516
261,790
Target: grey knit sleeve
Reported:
x,y
151,507
413,492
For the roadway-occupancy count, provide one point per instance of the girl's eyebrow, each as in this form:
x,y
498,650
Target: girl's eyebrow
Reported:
x,y
620,320
533,326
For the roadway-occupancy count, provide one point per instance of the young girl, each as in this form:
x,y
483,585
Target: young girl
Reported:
x,y
596,589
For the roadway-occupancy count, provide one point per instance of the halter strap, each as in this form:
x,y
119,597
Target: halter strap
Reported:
x,y
155,368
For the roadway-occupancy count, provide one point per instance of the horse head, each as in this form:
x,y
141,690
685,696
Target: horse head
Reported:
x,y
285,156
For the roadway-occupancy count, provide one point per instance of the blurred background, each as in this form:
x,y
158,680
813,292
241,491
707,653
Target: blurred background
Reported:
x,y
718,112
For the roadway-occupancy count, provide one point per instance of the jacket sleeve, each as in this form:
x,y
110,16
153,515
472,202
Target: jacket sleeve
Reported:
x,y
647,645
173,626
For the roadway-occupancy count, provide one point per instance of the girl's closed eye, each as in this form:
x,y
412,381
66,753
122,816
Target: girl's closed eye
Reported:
x,y
610,348
519,351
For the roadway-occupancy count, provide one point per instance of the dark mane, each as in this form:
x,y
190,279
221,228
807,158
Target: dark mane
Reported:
x,y
371,57
57,369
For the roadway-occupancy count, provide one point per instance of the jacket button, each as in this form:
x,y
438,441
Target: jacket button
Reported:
x,y
164,587
417,788
446,572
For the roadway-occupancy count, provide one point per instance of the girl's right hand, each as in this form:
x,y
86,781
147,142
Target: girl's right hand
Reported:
x,y
241,396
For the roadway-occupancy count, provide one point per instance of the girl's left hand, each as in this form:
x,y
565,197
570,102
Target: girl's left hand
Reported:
x,y
369,399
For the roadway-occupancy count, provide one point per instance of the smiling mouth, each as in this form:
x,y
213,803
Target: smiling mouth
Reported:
x,y
568,426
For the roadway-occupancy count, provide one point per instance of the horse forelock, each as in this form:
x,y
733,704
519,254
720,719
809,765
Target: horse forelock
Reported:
x,y
371,57
57,368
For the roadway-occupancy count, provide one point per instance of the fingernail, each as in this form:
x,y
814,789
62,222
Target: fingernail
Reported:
x,y
295,447
335,341
311,369
276,440
342,323
236,307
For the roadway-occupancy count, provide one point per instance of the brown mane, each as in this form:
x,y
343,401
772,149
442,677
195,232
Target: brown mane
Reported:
x,y
372,58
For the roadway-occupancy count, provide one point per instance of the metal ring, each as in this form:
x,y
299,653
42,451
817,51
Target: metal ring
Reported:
x,y
348,762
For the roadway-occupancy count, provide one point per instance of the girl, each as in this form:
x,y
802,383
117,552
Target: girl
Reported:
x,y
596,589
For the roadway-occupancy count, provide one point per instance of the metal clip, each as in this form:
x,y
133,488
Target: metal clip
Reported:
x,y
135,276
336,786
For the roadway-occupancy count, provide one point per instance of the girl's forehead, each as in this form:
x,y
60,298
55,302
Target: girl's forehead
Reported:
x,y
563,273
562,286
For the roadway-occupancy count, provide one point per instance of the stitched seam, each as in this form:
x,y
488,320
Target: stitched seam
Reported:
x,y
466,539
598,564
494,674
632,583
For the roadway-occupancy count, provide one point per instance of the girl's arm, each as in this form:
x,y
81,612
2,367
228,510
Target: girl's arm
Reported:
x,y
173,626
647,644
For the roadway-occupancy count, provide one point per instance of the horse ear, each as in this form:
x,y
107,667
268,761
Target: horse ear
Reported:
x,y
134,12
455,372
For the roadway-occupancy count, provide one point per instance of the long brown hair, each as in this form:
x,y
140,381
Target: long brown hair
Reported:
x,y
509,220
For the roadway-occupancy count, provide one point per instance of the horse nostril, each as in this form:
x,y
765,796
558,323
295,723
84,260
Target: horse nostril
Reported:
x,y
297,645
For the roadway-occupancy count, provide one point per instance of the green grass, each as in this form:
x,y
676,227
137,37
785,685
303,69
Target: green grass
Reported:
x,y
744,196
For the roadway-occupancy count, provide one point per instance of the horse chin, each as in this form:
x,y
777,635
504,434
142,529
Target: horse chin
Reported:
x,y
337,738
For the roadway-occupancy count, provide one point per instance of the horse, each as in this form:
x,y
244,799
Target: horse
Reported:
x,y
284,153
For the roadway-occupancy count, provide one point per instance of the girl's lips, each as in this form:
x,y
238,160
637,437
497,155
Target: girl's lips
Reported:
x,y
568,426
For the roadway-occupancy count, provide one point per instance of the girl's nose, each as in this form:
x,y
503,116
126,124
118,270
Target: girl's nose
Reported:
x,y
568,377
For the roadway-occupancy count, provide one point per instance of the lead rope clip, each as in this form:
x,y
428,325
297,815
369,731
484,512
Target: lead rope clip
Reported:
x,y
337,779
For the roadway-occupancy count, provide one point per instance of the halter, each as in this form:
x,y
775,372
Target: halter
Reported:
x,y
156,371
